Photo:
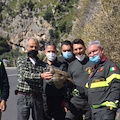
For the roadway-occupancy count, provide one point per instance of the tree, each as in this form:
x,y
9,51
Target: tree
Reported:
x,y
4,47
1,4
48,15
30,5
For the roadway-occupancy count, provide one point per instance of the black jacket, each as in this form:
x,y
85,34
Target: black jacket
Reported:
x,y
48,88
4,84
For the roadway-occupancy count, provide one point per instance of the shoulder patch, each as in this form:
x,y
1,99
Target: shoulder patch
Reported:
x,y
113,69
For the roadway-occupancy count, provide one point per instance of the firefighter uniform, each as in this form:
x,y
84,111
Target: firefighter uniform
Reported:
x,y
104,90
79,71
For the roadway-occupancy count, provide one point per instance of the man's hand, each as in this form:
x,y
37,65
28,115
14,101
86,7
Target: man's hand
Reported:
x,y
3,105
46,75
66,106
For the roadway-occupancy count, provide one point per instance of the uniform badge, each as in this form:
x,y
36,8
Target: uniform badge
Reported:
x,y
75,92
113,69
88,70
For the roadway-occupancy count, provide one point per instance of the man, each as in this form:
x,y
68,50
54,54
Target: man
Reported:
x,y
53,97
30,79
79,71
67,52
103,85
4,88
67,57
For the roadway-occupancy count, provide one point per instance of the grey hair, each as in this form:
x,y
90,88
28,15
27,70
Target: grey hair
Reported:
x,y
50,43
94,42
27,40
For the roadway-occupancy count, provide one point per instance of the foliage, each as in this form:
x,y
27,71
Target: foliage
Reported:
x,y
85,19
53,35
1,18
54,11
41,56
1,4
11,57
4,47
48,15
30,5
100,20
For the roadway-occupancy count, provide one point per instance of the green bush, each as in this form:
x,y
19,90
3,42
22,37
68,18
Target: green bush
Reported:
x,y
11,57
4,47
48,15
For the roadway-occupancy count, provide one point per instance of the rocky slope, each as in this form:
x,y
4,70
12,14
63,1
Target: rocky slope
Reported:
x,y
68,19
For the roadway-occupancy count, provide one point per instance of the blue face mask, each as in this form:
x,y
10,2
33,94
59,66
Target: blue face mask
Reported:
x,y
95,59
67,55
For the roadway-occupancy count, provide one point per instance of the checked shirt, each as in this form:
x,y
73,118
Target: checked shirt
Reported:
x,y
29,80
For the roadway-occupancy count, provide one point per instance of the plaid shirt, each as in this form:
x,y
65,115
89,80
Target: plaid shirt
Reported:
x,y
29,80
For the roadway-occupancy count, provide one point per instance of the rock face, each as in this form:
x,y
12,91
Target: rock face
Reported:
x,y
31,27
23,26
91,20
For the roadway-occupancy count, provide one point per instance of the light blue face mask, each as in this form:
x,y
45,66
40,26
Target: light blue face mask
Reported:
x,y
67,55
95,59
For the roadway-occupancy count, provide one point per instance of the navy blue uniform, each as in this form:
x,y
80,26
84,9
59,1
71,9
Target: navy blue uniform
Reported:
x,y
104,90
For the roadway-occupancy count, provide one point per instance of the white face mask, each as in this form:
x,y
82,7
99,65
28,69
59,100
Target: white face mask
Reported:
x,y
51,56
80,58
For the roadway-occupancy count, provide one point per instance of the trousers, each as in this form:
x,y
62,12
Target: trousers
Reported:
x,y
103,113
27,105
0,115
53,108
78,107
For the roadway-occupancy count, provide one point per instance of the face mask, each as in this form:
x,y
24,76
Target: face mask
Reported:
x,y
81,58
32,54
51,56
95,59
67,55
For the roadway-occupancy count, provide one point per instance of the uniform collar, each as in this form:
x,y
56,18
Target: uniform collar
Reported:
x,y
101,61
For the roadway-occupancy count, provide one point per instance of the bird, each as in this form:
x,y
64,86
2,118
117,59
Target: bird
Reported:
x,y
59,77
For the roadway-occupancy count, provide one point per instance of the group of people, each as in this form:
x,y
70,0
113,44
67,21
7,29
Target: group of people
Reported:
x,y
94,95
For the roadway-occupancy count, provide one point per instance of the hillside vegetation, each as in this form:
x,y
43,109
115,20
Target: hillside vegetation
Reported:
x,y
66,19
100,19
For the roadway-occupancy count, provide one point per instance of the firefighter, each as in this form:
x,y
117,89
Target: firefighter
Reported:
x,y
103,84
79,70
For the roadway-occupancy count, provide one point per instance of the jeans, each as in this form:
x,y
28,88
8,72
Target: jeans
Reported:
x,y
29,104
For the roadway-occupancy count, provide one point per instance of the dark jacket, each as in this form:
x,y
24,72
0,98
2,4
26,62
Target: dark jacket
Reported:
x,y
49,89
104,84
4,84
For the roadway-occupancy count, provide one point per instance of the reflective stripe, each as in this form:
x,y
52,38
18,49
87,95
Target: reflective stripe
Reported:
x,y
86,85
106,104
105,83
113,76
99,84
